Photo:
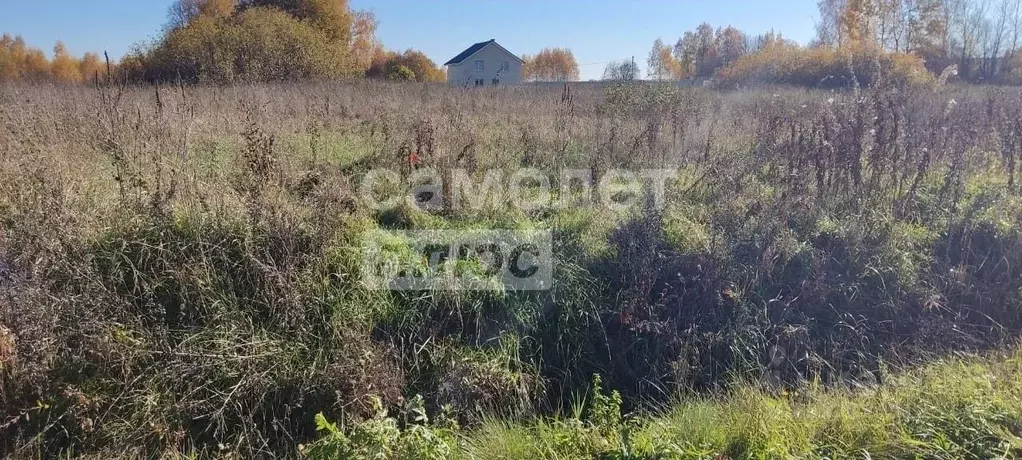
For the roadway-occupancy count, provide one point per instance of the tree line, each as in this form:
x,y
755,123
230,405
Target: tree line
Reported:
x,y
856,41
18,61
225,41
980,37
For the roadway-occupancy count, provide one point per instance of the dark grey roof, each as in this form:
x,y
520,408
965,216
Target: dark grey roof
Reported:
x,y
470,51
475,49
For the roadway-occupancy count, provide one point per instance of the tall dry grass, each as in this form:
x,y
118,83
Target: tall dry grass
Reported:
x,y
179,266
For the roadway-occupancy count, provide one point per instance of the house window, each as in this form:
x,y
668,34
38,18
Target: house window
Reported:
x,y
496,81
480,82
479,66
505,66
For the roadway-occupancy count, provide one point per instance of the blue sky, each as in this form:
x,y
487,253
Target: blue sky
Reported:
x,y
596,31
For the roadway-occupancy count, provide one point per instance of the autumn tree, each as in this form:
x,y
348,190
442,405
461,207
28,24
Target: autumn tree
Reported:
x,y
19,62
661,64
183,12
696,52
701,53
36,66
731,45
333,17
64,67
363,41
12,57
386,64
979,37
91,68
858,22
259,40
423,67
551,64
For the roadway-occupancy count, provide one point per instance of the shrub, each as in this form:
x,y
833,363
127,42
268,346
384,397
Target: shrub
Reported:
x,y
400,73
258,44
387,64
821,67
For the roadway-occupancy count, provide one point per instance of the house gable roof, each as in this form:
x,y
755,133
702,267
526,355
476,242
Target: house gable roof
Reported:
x,y
475,49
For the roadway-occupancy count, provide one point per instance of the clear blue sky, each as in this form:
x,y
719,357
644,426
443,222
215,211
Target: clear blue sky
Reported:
x,y
597,31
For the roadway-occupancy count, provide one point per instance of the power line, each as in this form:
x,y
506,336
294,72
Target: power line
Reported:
x,y
607,62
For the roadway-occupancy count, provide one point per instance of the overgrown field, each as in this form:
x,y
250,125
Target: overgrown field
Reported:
x,y
181,272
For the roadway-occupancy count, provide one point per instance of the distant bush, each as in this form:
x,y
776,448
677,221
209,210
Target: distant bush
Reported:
x,y
822,67
257,41
400,73
388,65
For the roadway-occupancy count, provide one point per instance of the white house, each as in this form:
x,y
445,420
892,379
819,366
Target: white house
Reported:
x,y
485,64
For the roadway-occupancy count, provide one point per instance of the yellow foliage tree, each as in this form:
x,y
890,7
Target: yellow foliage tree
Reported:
x,y
217,8
64,67
551,64
91,68
423,68
333,17
12,51
183,12
661,63
857,22
824,67
19,62
363,40
37,67
259,40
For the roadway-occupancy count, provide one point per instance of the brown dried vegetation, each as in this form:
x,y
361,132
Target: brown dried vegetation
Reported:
x,y
179,266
